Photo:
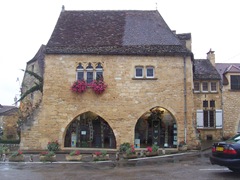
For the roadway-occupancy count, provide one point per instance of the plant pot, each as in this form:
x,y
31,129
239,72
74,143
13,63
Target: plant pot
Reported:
x,y
100,157
16,158
148,154
74,158
183,148
47,158
130,156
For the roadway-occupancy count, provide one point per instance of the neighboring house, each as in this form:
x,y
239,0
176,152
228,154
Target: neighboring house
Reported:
x,y
207,98
8,122
230,75
155,89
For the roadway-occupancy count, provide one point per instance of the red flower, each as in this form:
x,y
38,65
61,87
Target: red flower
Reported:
x,y
79,86
77,152
98,86
98,153
149,149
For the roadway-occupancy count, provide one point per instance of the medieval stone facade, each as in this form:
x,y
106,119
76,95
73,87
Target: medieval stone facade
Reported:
x,y
148,70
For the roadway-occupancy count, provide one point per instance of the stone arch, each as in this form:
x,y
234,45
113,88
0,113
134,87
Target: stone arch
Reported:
x,y
156,126
89,130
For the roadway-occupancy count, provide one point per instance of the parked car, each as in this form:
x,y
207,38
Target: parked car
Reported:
x,y
227,153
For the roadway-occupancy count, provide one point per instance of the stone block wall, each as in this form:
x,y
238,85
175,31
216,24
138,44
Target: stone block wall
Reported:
x,y
123,102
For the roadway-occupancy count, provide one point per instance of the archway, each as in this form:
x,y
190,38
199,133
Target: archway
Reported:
x,y
88,130
156,126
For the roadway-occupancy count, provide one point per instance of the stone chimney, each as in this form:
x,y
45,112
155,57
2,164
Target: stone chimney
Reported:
x,y
211,57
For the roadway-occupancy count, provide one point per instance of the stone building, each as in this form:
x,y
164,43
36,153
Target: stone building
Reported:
x,y
230,75
8,122
138,82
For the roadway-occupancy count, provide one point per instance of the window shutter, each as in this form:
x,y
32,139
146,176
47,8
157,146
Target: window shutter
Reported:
x,y
199,119
219,119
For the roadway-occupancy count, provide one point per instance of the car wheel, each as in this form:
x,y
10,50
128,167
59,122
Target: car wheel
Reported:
x,y
234,169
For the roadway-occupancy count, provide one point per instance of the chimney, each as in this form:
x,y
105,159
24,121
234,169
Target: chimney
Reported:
x,y
63,8
211,57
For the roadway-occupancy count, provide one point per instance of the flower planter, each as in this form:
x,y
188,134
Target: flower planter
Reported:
x,y
47,158
148,154
130,156
183,148
16,158
100,157
74,158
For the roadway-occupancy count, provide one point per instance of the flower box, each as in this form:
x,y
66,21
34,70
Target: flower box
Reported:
x,y
130,156
100,157
16,158
47,158
74,157
148,154
183,148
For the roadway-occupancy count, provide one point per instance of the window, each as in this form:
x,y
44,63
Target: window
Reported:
x,y
235,82
138,72
213,87
196,86
80,72
150,72
99,71
205,86
89,70
209,119
89,73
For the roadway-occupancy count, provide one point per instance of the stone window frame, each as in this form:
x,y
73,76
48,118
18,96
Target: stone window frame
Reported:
x,y
153,71
203,88
144,75
83,70
196,90
237,83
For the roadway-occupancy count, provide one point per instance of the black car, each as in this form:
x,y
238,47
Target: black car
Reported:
x,y
227,153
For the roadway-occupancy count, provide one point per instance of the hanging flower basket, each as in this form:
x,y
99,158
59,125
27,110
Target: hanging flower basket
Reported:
x,y
79,86
98,86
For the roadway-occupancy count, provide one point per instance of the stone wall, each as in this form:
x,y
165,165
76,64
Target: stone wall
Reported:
x,y
231,108
123,102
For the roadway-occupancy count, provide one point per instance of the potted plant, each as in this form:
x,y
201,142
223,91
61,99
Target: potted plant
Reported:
x,y
130,153
124,146
182,146
53,146
16,156
152,151
79,86
47,156
74,156
100,156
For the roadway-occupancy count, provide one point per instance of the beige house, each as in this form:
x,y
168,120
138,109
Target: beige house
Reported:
x,y
8,122
121,76
230,74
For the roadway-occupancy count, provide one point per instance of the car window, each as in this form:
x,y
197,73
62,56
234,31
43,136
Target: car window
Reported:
x,y
235,138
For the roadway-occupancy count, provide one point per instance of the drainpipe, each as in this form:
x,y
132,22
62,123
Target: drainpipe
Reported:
x,y
185,100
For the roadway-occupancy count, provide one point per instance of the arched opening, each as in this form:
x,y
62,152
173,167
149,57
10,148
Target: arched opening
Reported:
x,y
88,130
156,126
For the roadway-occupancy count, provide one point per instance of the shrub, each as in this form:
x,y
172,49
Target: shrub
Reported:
x,y
53,146
123,147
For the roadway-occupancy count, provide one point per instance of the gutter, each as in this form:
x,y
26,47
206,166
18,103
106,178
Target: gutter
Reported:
x,y
185,100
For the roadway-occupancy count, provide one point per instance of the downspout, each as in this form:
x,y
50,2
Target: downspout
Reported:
x,y
185,100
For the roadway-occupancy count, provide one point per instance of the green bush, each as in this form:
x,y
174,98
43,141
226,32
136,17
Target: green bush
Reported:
x,y
124,147
53,146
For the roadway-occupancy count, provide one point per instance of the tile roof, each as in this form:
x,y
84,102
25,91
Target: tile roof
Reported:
x,y
204,70
39,57
113,32
7,110
224,68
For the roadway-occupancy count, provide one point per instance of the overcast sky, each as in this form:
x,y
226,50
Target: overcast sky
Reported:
x,y
26,24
